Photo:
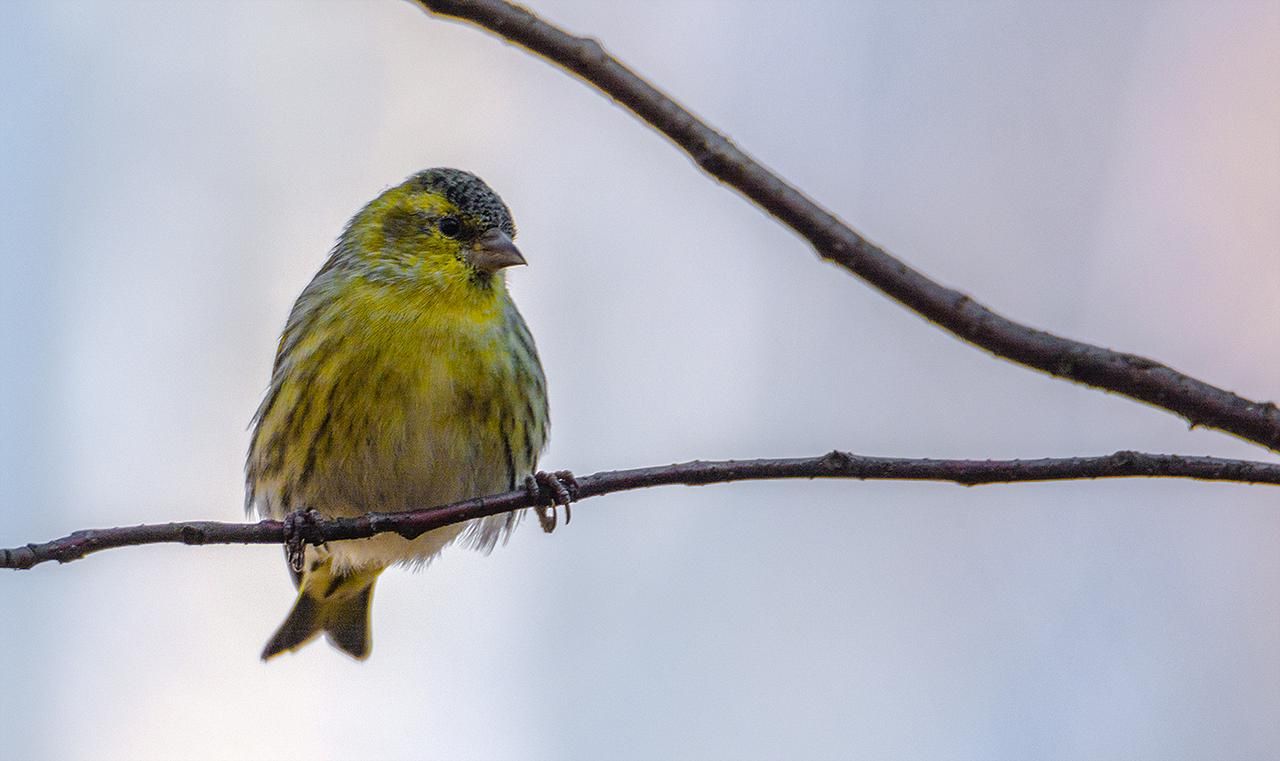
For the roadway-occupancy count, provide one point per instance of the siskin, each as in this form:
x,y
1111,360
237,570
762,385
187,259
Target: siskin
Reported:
x,y
405,378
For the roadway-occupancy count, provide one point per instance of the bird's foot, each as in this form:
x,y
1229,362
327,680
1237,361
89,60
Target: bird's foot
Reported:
x,y
552,490
300,529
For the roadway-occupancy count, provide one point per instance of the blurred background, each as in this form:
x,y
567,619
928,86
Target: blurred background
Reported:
x,y
174,173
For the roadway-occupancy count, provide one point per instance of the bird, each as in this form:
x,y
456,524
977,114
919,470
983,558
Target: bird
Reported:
x,y
405,378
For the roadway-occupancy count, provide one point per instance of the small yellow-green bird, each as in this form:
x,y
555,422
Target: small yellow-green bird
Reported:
x,y
405,378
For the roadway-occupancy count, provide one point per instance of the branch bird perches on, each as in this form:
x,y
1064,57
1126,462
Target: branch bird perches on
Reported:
x,y
834,464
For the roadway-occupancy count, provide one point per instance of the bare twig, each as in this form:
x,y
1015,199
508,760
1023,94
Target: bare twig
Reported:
x,y
1139,378
832,465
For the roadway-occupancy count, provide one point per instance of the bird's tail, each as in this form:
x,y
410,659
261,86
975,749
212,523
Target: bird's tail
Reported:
x,y
335,603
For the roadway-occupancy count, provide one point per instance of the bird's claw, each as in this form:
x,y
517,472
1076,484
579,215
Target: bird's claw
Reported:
x,y
550,490
300,529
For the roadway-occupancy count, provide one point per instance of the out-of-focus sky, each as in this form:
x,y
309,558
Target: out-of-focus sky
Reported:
x,y
173,173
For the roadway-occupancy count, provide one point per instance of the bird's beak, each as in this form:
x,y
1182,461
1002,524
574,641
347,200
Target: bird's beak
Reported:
x,y
494,250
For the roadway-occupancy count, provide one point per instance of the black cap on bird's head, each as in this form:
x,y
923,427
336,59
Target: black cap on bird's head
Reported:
x,y
471,195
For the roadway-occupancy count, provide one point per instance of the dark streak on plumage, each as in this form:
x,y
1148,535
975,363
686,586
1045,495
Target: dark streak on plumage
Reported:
x,y
481,279
322,430
466,403
335,582
526,341
402,223
504,427
530,452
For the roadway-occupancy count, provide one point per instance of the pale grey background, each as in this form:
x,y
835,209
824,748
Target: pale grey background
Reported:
x,y
172,174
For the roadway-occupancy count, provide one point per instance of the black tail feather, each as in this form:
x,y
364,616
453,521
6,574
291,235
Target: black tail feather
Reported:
x,y
335,604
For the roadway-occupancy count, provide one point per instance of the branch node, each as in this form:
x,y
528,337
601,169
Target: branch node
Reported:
x,y
837,461
1125,458
591,52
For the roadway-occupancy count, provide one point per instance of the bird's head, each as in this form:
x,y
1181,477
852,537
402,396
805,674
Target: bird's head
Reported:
x,y
441,228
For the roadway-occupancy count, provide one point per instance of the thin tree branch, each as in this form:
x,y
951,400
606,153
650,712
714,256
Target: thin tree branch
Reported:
x,y
835,464
1146,380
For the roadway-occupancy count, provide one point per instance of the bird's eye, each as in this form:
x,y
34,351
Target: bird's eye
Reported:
x,y
450,227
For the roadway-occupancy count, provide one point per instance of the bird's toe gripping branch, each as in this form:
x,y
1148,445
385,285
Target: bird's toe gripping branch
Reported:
x,y
551,490
300,529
